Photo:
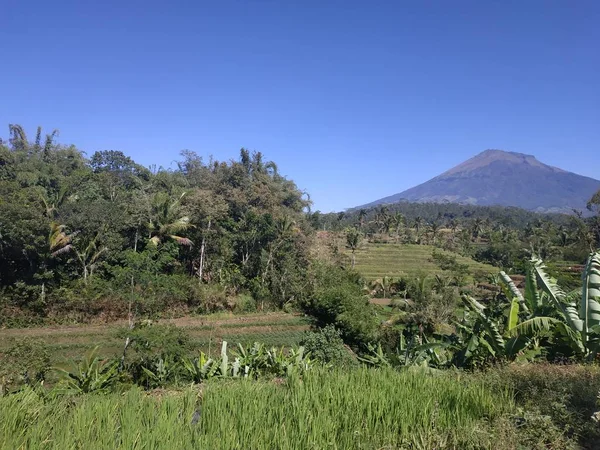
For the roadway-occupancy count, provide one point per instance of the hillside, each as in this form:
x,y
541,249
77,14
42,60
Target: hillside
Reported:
x,y
496,177
379,260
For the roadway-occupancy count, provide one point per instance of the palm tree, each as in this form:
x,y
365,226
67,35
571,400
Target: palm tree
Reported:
x,y
61,243
19,139
166,221
383,219
453,225
353,238
418,222
434,227
398,222
361,218
477,228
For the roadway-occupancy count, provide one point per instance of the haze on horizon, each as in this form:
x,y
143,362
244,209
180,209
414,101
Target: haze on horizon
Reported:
x,y
353,101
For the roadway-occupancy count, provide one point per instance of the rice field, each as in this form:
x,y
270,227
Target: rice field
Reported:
x,y
393,260
357,409
68,342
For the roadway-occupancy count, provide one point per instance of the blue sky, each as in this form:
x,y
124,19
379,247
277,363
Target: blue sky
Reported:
x,y
353,100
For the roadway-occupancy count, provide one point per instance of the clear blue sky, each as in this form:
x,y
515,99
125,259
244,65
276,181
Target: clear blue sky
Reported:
x,y
353,100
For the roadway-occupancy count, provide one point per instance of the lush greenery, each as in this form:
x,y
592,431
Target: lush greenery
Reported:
x,y
356,408
104,236
388,409
500,236
433,324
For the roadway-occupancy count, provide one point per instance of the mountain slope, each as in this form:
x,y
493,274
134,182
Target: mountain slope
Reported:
x,y
496,177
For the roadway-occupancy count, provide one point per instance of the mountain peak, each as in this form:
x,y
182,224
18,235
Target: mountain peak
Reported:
x,y
498,157
498,177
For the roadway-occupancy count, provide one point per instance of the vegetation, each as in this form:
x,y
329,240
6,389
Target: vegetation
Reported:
x,y
438,326
82,238
389,409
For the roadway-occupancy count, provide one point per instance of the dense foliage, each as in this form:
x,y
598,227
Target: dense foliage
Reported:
x,y
81,237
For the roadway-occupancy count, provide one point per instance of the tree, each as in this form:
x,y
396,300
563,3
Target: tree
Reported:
x,y
594,203
398,223
418,223
166,220
353,239
434,228
88,255
361,217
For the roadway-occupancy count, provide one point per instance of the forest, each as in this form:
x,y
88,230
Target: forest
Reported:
x,y
481,326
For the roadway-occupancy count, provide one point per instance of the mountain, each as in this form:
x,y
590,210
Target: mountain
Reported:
x,y
496,177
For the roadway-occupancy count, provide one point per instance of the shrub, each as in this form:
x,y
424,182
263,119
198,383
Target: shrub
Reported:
x,y
561,399
26,361
244,303
149,345
327,346
150,341
336,299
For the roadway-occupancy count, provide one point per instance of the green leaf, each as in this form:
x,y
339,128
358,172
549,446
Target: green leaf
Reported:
x,y
496,339
589,307
557,296
513,289
513,314
534,326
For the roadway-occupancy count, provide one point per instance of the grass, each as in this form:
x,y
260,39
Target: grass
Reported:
x,y
393,260
357,409
70,342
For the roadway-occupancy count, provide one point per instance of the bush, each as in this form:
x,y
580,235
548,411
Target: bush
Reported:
x,y
336,299
244,303
150,341
327,346
152,349
557,402
26,361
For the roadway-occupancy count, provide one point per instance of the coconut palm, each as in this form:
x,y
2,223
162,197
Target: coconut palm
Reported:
x,y
361,218
434,228
61,243
167,221
418,223
353,238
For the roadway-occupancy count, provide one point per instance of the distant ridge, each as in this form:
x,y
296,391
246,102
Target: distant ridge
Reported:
x,y
497,177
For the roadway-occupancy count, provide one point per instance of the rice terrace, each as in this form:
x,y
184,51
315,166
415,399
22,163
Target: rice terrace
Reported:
x,y
300,225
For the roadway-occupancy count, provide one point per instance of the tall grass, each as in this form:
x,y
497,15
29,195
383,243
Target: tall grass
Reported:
x,y
360,408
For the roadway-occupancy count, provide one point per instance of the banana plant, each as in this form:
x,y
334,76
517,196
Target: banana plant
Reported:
x,y
483,336
589,306
160,372
574,317
413,354
201,368
91,375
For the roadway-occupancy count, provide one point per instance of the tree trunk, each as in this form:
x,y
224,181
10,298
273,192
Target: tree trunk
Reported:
x,y
202,248
353,259
137,231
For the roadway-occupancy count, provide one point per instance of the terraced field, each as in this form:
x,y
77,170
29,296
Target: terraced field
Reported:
x,y
206,332
392,260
